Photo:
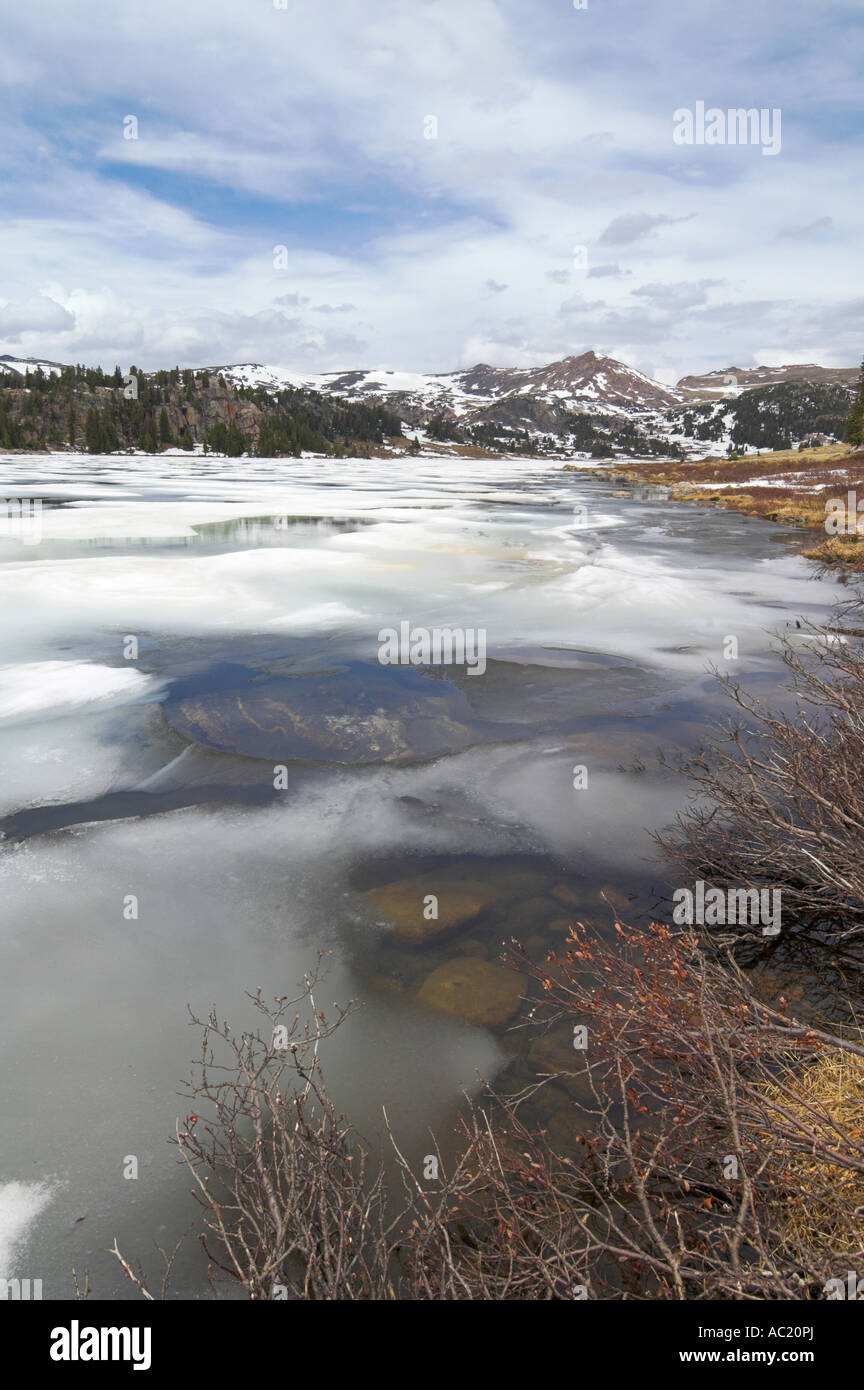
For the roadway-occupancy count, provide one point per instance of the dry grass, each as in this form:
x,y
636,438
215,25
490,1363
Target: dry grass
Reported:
x,y
828,465
440,447
824,453
845,552
823,1215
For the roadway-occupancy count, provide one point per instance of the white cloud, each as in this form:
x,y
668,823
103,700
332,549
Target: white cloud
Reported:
x,y
39,314
305,127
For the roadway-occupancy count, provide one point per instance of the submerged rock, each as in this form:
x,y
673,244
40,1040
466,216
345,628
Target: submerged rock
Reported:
x,y
614,898
458,899
474,990
386,984
564,1122
532,912
405,904
360,713
565,895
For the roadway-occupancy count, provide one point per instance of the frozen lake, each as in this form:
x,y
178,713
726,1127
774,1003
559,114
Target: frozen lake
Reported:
x,y
159,616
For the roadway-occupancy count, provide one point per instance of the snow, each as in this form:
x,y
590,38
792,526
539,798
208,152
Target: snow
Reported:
x,y
762,482
451,390
20,1204
28,364
35,687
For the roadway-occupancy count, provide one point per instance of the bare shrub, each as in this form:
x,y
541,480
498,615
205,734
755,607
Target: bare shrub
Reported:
x,y
778,800
292,1205
715,1157
722,1154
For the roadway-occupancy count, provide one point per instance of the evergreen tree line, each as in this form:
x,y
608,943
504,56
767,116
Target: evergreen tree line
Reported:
x,y
769,417
11,433
602,436
103,412
599,435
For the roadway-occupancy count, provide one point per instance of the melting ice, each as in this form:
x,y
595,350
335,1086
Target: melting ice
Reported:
x,y
238,580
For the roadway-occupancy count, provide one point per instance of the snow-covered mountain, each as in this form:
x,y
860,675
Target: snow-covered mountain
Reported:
x,y
731,381
588,403
584,382
556,399
20,366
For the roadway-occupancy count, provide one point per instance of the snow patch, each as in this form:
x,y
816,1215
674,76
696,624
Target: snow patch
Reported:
x,y
20,1204
35,687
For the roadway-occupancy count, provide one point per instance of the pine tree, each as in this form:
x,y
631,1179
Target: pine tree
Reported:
x,y
235,444
93,431
109,436
165,436
855,423
218,437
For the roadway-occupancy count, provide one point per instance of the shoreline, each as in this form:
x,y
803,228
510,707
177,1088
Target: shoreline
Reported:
x,y
802,488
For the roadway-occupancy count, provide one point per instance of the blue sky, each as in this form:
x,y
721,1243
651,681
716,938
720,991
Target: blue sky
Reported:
x,y
306,127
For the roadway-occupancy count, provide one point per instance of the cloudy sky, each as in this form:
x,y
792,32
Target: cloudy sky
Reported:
x,y
326,184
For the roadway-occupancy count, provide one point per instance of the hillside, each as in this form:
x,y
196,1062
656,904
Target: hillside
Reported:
x,y
776,416
589,406
731,381
85,408
594,405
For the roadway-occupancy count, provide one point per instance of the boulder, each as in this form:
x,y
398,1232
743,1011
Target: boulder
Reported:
x,y
360,713
474,990
404,902
461,897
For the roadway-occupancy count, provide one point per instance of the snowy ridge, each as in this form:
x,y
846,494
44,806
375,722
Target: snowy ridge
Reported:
x,y
586,381
20,366
585,402
733,381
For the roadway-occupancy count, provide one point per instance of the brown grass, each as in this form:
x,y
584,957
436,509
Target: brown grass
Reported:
x,y
846,552
832,1088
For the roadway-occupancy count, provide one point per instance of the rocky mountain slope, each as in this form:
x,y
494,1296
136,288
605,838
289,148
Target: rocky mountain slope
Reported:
x,y
594,404
585,405
731,381
587,379
87,408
